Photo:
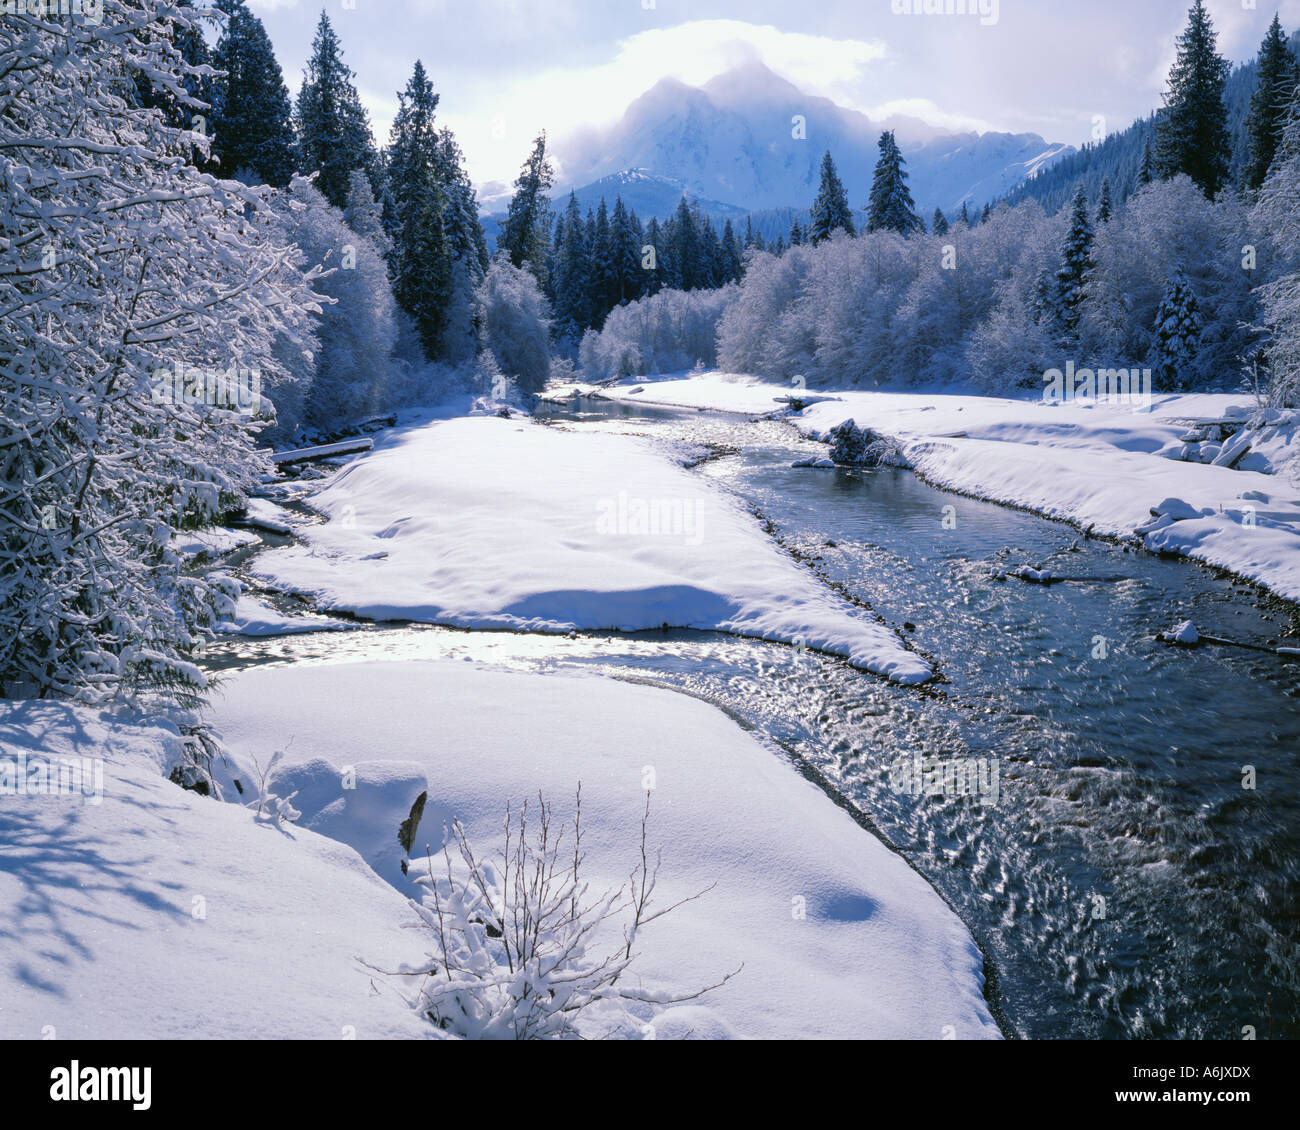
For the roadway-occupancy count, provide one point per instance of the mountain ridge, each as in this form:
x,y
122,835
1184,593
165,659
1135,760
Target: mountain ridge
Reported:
x,y
751,140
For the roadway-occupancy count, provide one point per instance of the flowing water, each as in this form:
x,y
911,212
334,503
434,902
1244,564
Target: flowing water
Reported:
x,y
1125,884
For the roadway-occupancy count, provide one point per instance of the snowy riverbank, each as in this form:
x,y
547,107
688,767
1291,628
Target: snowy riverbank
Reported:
x,y
1104,467
489,523
246,928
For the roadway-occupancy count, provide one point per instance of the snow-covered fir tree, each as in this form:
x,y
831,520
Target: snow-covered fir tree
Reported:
x,y
830,211
418,199
133,292
333,127
656,278
603,280
1076,264
625,254
1105,204
940,225
252,116
1178,332
1146,169
731,248
891,207
467,247
363,214
1192,128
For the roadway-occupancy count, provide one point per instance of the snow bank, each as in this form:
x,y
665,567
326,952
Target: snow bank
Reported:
x,y
489,523
1101,466
878,954
256,618
160,915
216,541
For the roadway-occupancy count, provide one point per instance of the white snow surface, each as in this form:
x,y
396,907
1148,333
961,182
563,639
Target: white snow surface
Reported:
x,y
159,914
488,523
255,617
879,954
1104,467
216,541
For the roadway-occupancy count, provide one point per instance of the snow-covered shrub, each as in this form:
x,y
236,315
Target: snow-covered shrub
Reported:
x,y
357,331
666,332
121,264
269,806
518,940
514,324
564,370
861,447
498,394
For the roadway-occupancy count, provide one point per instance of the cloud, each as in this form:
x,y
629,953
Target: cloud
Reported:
x,y
928,112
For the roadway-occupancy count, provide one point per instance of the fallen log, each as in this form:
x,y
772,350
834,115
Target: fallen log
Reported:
x,y
1168,637
324,451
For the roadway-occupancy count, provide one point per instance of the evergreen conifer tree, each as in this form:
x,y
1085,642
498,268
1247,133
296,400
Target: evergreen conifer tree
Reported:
x,y
830,212
1279,73
525,235
252,116
1178,332
333,127
421,262
891,207
1105,205
1192,128
1076,266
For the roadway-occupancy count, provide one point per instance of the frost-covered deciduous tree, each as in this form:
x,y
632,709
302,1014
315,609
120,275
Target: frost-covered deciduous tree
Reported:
x,y
764,330
515,324
357,331
522,944
662,333
363,214
1276,222
1165,226
137,298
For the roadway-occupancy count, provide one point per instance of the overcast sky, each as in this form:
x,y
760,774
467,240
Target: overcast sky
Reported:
x,y
507,68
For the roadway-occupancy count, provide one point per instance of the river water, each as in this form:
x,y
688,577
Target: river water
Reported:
x,y
1126,884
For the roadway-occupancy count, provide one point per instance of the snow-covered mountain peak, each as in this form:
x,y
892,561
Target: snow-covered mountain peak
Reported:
x,y
752,139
